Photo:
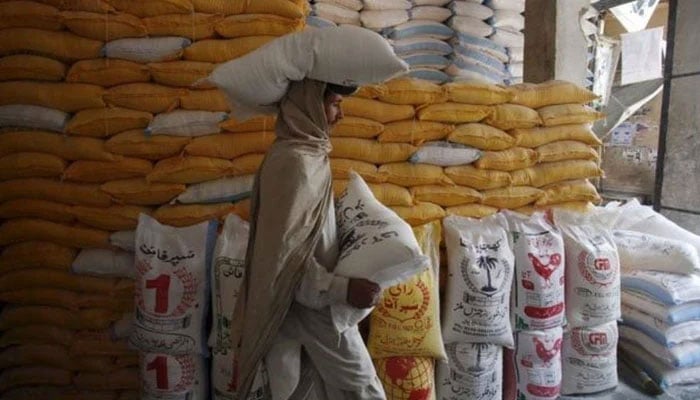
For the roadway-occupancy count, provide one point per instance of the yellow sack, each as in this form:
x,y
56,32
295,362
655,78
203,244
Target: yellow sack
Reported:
x,y
283,8
195,26
113,218
257,25
471,210
189,170
480,179
357,127
540,136
256,124
51,278
33,208
406,322
340,169
376,110
144,97
242,209
123,379
409,175
407,378
99,343
370,151
138,191
30,165
104,122
105,27
25,229
415,132
205,100
387,193
63,46
454,113
482,137
34,376
566,150
34,254
66,147
135,143
103,171
68,97
99,6
29,14
230,145
511,116
127,360
371,91
507,160
412,92
247,164
33,68
420,213
575,206
42,297
569,191
54,190
547,173
537,95
152,8
179,73
511,197
222,50
190,214
446,196
480,93
91,319
36,334
567,114
107,72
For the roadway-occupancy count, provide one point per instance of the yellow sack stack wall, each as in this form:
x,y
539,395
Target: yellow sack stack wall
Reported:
x,y
75,173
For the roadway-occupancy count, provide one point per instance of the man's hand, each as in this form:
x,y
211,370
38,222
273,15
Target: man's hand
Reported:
x,y
363,293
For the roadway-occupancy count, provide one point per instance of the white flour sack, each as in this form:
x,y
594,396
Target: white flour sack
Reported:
x,y
475,371
538,298
662,332
592,267
538,364
673,314
445,154
227,274
171,286
222,374
375,244
254,83
589,359
165,376
669,289
480,275
104,262
650,252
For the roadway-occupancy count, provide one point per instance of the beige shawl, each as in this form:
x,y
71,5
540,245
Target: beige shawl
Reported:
x,y
290,203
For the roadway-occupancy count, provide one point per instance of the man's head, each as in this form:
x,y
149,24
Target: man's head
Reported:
x,y
332,99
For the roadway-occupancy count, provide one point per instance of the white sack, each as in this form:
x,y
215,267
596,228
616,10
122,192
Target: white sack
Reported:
x,y
671,314
665,287
420,45
336,14
662,374
471,9
123,327
480,265
538,297
515,5
589,359
474,371
125,240
319,22
227,274
516,69
146,50
255,82
508,19
683,355
663,333
420,29
171,286
516,54
186,123
375,244
165,376
355,5
105,263
387,4
437,3
592,267
430,13
224,190
507,38
471,26
650,252
380,19
222,374
36,117
445,154
482,45
538,364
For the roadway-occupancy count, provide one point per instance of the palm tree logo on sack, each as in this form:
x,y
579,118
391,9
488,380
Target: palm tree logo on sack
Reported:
x,y
485,271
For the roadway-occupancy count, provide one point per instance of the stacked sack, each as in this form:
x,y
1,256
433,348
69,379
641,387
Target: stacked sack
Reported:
x,y
80,87
508,24
325,13
660,330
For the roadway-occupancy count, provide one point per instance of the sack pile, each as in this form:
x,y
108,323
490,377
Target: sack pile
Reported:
x,y
660,329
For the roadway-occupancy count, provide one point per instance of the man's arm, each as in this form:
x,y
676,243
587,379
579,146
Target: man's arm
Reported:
x,y
320,288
